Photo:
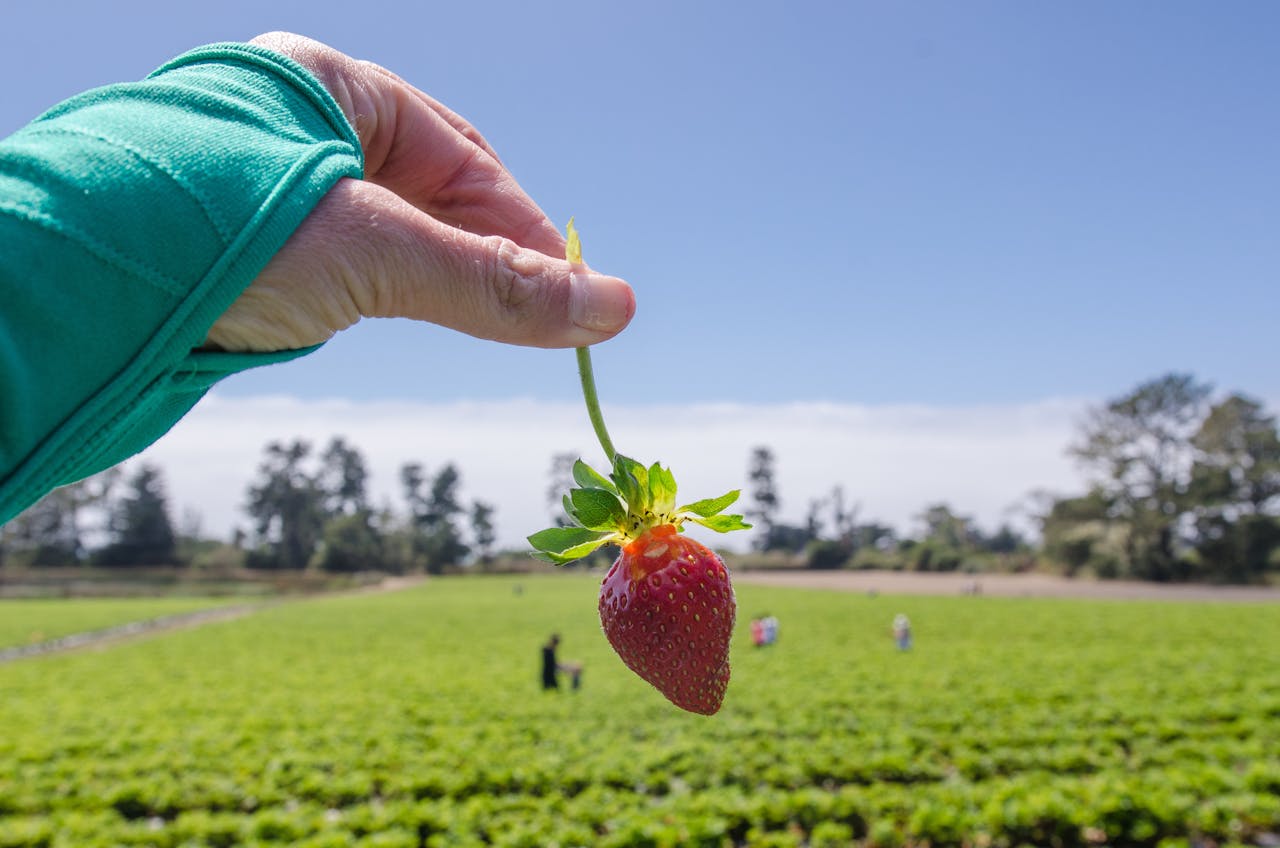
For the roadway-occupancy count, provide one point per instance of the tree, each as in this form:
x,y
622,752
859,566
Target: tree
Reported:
x,y
561,476
142,532
944,527
813,518
834,552
764,494
350,539
844,520
433,514
1138,449
873,535
50,531
350,542
343,478
1235,485
47,533
947,537
288,507
1238,456
482,530
1075,533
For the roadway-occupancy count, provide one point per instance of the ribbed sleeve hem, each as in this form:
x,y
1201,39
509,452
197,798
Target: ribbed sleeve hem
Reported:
x,y
235,141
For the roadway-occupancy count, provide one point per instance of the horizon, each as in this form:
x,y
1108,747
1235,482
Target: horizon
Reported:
x,y
986,462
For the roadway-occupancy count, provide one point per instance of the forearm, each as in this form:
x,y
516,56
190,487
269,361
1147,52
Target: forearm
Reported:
x,y
131,217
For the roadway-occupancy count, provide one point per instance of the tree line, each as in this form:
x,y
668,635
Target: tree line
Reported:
x,y
833,536
1181,487
308,509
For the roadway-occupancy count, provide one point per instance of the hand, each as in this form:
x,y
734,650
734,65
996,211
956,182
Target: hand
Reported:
x,y
437,231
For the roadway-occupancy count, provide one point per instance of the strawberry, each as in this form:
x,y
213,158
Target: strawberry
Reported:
x,y
666,605
667,609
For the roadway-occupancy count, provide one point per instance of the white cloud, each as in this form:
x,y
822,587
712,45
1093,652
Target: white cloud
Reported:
x,y
892,460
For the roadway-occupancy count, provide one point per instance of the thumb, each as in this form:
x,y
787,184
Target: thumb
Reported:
x,y
364,251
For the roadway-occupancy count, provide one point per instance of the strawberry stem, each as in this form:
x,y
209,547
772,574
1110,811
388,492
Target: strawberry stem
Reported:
x,y
587,375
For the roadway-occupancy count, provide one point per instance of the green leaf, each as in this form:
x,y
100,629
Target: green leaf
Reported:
x,y
633,482
588,478
571,554
662,488
561,540
723,523
597,509
710,506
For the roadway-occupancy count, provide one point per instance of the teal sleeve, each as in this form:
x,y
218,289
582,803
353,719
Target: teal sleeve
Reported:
x,y
131,217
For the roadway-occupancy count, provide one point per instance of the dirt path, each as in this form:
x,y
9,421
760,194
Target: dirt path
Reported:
x,y
128,630
1002,585
164,624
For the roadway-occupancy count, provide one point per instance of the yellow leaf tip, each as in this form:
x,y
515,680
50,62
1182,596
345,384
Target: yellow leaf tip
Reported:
x,y
573,244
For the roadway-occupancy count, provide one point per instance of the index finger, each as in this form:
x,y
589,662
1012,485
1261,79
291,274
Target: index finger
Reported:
x,y
422,151
436,161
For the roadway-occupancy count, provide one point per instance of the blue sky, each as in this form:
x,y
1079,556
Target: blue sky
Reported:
x,y
927,203
903,244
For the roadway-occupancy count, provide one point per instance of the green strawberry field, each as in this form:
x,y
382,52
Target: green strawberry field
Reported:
x,y
416,718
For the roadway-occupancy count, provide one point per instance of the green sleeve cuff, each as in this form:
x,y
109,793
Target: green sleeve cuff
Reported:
x,y
131,217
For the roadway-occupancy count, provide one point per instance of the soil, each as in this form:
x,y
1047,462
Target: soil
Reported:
x,y
1004,586
139,629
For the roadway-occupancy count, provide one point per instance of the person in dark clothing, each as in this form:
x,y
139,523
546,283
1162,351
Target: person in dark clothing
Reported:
x,y
551,665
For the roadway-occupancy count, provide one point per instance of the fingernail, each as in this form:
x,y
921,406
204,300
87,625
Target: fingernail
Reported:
x,y
599,303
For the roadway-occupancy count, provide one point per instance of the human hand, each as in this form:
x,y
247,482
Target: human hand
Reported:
x,y
437,231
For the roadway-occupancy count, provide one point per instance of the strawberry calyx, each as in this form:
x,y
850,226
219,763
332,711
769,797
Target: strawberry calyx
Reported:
x,y
631,502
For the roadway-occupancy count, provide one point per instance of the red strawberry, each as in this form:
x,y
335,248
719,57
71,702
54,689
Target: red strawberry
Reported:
x,y
668,609
666,605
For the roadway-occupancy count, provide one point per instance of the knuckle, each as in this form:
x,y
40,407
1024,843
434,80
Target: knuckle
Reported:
x,y
515,283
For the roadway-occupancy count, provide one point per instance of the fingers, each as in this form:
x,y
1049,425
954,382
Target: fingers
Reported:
x,y
451,117
436,161
439,231
364,251
487,286
422,151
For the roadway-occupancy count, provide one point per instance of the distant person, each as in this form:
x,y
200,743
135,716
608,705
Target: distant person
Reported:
x,y
902,632
551,666
550,663
770,629
764,631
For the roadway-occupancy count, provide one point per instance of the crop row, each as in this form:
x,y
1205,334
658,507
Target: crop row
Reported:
x,y
415,719
1111,810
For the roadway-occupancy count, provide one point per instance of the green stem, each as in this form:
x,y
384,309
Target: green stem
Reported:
x,y
593,401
